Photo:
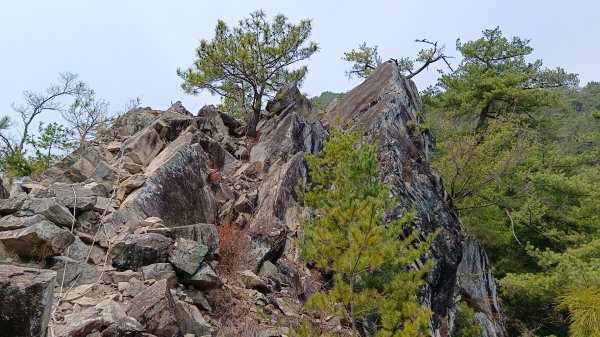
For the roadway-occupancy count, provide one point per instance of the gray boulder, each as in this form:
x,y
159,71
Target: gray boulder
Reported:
x,y
204,279
25,301
11,222
154,309
176,189
204,233
187,255
40,240
191,320
132,251
160,271
125,327
50,208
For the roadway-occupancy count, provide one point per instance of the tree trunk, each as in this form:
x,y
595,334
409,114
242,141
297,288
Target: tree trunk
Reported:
x,y
483,115
253,117
251,123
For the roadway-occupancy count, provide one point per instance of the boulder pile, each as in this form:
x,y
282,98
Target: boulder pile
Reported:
x,y
130,234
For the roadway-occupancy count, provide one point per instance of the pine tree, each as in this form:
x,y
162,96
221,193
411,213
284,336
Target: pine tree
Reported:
x,y
369,258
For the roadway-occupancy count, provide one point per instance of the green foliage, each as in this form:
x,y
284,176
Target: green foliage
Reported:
x,y
518,150
464,325
494,79
369,259
322,101
583,306
50,139
250,61
14,165
364,61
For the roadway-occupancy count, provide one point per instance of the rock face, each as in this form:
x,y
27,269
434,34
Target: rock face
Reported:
x,y
388,108
25,301
169,222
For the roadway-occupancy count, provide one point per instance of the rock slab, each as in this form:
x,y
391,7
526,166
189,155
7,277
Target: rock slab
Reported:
x,y
25,301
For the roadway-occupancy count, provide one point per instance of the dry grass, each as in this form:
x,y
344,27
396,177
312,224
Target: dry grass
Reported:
x,y
234,248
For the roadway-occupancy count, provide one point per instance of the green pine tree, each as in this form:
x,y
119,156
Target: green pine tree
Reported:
x,y
370,259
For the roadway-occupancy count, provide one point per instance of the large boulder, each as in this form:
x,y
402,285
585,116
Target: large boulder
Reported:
x,y
204,233
155,309
50,208
25,301
132,251
37,241
176,188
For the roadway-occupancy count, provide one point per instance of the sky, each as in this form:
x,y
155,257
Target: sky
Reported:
x,y
127,49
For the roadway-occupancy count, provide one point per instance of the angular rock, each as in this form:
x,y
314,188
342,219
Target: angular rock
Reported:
x,y
475,280
187,255
191,320
198,299
223,122
26,301
204,279
160,271
79,251
253,281
131,251
131,167
123,276
176,189
288,96
4,193
220,158
50,208
11,222
143,146
204,233
10,206
79,324
81,272
134,181
125,327
154,309
153,222
110,311
69,194
282,275
105,205
34,190
40,240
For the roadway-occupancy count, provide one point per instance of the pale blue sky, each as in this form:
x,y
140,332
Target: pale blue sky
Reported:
x,y
132,48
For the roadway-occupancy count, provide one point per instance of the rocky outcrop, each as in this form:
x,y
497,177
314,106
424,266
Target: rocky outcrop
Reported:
x,y
387,108
25,301
168,220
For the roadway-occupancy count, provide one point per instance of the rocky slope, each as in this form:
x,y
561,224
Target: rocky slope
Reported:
x,y
172,224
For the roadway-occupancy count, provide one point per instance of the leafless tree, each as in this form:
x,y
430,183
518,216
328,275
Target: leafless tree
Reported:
x,y
37,102
86,115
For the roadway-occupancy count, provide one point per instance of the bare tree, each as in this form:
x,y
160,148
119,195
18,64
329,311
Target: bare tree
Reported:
x,y
37,102
366,59
5,124
86,114
426,56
